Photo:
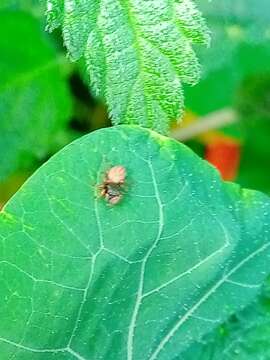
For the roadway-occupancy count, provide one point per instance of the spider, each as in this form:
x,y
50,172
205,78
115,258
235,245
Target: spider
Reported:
x,y
111,188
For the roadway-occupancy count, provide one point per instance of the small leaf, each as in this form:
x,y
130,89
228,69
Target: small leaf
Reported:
x,y
143,279
138,53
34,99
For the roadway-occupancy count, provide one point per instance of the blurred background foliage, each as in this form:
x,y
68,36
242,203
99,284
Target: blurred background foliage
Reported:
x,y
45,101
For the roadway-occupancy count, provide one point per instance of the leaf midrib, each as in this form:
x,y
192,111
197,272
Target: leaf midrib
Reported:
x,y
133,25
204,298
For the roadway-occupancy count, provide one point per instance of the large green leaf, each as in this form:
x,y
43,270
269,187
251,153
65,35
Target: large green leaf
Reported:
x,y
143,279
244,337
138,53
34,99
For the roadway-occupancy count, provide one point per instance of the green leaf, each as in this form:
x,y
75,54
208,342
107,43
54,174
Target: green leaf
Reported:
x,y
240,47
36,7
35,103
233,23
245,336
252,20
254,109
138,53
143,279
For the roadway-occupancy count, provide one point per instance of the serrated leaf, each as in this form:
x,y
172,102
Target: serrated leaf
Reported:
x,y
138,53
143,279
35,103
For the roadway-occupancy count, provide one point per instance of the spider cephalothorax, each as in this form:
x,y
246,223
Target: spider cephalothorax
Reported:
x,y
111,188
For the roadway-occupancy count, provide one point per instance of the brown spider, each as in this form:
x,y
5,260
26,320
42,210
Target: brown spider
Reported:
x,y
111,188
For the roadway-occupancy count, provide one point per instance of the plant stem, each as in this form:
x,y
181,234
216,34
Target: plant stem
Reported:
x,y
214,120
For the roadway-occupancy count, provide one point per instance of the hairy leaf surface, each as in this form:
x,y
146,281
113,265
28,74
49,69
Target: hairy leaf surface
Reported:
x,y
144,279
138,53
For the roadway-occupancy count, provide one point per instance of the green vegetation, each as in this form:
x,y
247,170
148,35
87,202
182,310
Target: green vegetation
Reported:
x,y
178,266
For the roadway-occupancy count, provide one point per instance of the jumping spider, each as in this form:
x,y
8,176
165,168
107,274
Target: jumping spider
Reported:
x,y
112,186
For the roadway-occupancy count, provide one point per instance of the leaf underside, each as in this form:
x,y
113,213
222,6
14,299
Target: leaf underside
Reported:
x,y
144,279
138,53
